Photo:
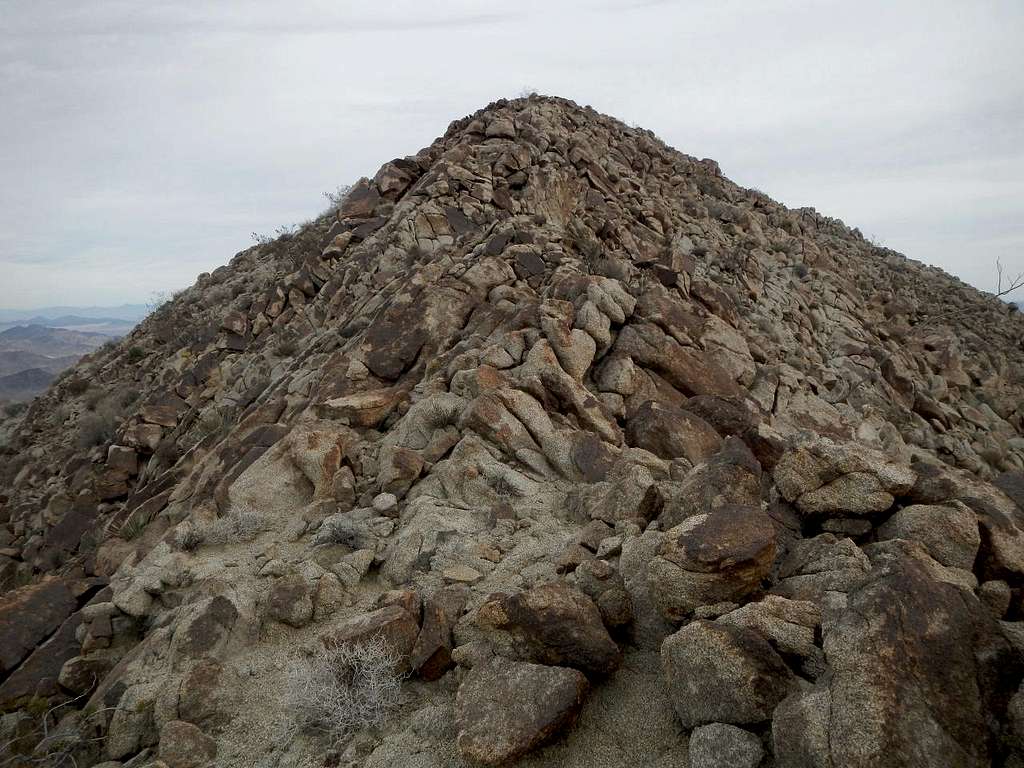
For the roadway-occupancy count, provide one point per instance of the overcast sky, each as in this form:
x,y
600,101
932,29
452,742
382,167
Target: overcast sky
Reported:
x,y
142,142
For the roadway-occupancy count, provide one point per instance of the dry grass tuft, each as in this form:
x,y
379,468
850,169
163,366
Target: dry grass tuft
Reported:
x,y
340,691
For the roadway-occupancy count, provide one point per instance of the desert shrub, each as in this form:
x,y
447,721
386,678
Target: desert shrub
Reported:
x,y
76,386
136,354
336,198
342,690
213,421
128,397
284,232
241,523
15,409
286,344
188,536
94,397
503,486
96,427
133,527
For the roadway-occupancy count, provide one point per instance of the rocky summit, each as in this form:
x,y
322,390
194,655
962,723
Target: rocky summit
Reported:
x,y
549,446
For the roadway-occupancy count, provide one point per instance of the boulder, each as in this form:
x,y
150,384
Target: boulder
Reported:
x,y
670,432
551,624
712,558
649,627
28,616
38,675
731,476
717,673
949,532
791,626
825,478
1001,523
432,653
918,671
397,626
291,601
1012,484
718,745
183,745
506,708
599,580
825,563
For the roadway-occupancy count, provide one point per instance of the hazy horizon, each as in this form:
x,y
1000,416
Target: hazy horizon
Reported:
x,y
150,141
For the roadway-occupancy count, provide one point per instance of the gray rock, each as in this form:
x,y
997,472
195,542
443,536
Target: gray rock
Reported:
x,y
996,596
183,745
822,477
949,533
718,745
718,673
789,625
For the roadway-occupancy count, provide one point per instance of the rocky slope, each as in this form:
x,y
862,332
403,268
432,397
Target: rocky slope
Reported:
x,y
625,465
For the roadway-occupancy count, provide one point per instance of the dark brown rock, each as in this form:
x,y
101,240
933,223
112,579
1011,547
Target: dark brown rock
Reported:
x,y
504,709
291,601
918,671
360,202
28,616
671,432
432,654
394,624
38,675
715,558
552,624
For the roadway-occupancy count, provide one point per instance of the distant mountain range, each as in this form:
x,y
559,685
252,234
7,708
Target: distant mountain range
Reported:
x,y
24,385
37,344
15,360
124,312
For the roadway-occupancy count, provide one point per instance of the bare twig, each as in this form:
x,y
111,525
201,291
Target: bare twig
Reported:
x,y
1012,284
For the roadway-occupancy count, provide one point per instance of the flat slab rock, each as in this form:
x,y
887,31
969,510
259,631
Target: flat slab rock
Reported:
x,y
28,616
506,708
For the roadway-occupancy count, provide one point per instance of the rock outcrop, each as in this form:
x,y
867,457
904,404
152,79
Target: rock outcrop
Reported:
x,y
608,459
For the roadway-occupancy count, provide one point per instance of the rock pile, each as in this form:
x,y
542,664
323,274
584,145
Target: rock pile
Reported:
x,y
626,464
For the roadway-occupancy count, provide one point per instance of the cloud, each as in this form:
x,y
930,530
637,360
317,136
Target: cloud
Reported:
x,y
143,143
